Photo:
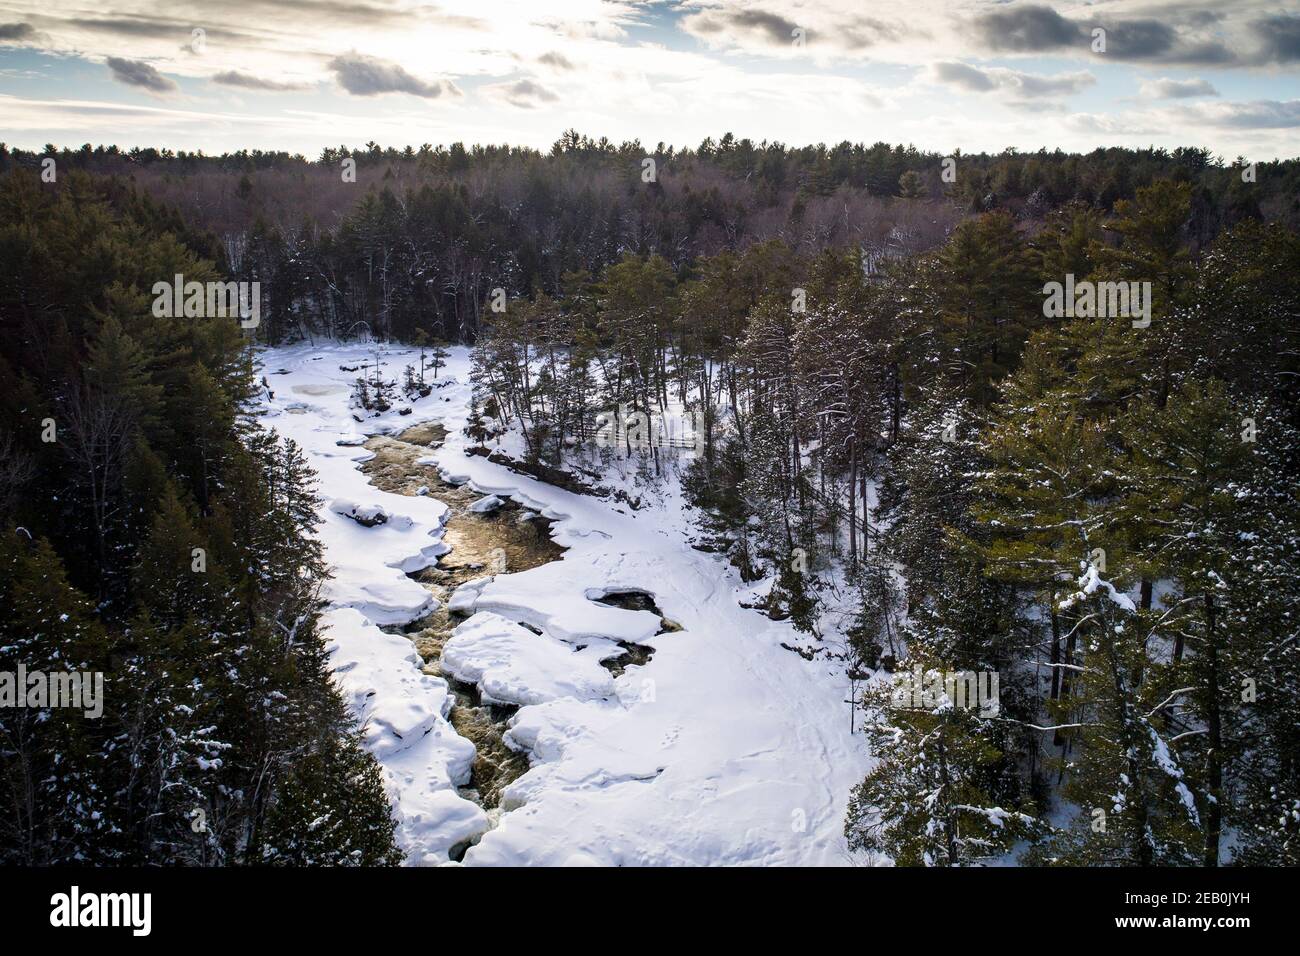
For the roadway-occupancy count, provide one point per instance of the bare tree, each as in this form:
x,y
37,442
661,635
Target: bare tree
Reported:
x,y
17,468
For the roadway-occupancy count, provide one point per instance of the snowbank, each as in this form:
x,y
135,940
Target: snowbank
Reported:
x,y
512,665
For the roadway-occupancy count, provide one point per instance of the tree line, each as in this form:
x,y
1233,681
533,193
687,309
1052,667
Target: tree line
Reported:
x,y
419,237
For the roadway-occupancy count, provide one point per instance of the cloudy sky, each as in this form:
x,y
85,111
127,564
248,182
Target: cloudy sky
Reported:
x,y
941,74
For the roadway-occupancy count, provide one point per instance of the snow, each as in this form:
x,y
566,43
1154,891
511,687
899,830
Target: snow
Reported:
x,y
512,665
368,515
547,598
404,717
1090,581
1163,759
724,748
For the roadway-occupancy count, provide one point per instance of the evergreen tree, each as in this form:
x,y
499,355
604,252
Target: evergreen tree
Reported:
x,y
57,807
927,802
332,811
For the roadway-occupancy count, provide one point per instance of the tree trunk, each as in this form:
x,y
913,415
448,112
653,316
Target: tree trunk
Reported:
x,y
1058,738
1214,723
853,509
1056,654
950,834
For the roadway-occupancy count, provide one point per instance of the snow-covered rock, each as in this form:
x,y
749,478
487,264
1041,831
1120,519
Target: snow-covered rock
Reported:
x,y
512,665
368,516
403,714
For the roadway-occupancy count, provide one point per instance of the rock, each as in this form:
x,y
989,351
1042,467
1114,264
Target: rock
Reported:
x,y
368,516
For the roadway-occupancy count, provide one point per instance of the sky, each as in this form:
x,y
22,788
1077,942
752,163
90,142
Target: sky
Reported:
x,y
943,75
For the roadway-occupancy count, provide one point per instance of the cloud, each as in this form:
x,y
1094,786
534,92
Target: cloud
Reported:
x,y
1280,38
556,60
131,27
1033,85
17,32
1016,84
771,28
862,32
246,81
765,31
1138,39
1256,114
1026,29
364,75
966,77
1236,116
681,71
1033,28
1113,125
1157,42
33,113
141,28
526,94
141,74
1167,89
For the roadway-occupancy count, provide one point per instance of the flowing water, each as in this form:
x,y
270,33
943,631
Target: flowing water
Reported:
x,y
509,538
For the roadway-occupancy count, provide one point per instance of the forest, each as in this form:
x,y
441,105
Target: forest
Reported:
x,y
928,470
993,484
417,238
154,532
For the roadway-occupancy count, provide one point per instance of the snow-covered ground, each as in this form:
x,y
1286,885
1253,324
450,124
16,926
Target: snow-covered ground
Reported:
x,y
724,748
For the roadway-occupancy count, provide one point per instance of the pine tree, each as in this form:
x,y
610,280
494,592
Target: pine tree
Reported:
x,y
57,809
1191,481
910,185
927,802
332,810
168,797
176,578
875,631
988,303
1069,243
1261,666
195,527
1135,807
